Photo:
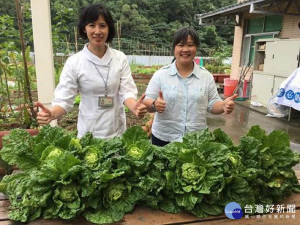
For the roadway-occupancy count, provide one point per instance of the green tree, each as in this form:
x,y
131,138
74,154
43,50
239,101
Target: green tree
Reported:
x,y
63,23
133,24
7,7
149,22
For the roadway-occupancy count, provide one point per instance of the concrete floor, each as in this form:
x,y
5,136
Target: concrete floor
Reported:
x,y
239,122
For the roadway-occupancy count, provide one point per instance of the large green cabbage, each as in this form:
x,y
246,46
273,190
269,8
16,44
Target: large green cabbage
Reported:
x,y
65,177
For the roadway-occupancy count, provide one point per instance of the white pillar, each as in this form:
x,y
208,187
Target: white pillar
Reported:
x,y
42,40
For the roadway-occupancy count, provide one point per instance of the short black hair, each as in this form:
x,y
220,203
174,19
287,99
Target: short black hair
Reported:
x,y
91,14
182,34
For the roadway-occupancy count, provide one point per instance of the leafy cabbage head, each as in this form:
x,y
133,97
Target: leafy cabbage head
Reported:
x,y
54,153
68,193
190,172
276,182
135,152
75,144
91,159
116,192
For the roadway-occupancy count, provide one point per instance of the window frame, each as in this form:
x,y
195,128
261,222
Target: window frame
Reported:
x,y
249,49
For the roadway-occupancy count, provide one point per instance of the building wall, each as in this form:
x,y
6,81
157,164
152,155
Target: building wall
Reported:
x,y
236,51
290,28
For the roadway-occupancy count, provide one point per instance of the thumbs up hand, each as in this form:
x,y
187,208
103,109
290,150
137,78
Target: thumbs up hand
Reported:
x,y
160,103
229,104
45,116
140,108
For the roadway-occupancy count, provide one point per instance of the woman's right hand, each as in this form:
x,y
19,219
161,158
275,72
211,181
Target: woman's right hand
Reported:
x,y
44,117
160,103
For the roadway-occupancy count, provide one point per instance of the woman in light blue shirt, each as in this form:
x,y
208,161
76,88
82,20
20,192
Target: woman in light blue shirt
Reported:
x,y
182,92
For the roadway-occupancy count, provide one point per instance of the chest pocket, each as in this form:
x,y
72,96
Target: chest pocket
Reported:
x,y
170,93
196,94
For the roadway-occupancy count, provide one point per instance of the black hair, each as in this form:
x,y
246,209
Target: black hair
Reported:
x,y
182,34
91,14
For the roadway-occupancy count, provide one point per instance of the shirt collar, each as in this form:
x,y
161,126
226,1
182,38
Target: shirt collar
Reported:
x,y
195,72
104,61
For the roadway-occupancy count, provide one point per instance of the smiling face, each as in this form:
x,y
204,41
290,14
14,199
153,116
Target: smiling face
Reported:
x,y
185,51
97,33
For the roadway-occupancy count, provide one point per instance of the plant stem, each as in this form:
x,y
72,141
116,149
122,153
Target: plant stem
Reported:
x,y
7,91
27,91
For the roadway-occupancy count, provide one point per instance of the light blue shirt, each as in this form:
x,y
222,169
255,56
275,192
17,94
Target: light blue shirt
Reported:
x,y
187,101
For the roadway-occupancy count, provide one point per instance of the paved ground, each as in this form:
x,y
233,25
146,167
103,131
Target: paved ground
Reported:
x,y
243,118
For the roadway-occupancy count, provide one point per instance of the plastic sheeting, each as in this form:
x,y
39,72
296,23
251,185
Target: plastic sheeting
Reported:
x,y
289,91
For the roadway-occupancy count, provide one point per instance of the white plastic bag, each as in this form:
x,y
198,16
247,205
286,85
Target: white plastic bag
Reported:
x,y
276,110
289,91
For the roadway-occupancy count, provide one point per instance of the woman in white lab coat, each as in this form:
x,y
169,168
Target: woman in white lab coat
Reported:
x,y
102,77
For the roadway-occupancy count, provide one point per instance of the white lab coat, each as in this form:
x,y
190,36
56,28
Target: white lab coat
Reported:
x,y
80,75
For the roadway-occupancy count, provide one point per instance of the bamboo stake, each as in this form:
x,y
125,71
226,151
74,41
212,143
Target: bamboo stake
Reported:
x,y
243,74
76,43
7,90
119,34
27,91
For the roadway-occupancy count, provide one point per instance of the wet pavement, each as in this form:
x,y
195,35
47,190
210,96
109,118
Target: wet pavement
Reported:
x,y
239,122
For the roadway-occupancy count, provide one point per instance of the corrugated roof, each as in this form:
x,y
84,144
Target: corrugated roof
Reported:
x,y
234,8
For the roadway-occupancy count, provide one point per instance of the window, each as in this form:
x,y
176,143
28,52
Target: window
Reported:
x,y
263,24
255,25
273,23
258,28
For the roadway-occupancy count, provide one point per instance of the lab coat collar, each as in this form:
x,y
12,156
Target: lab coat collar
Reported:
x,y
104,61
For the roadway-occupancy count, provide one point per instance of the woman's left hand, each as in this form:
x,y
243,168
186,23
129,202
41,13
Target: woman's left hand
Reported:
x,y
140,108
229,104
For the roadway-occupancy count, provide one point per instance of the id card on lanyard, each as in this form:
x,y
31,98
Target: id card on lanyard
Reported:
x,y
105,101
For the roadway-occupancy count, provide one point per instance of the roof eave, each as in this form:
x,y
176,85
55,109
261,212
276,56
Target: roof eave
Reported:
x,y
234,12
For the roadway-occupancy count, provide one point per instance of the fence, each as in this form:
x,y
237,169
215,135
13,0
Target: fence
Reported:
x,y
147,60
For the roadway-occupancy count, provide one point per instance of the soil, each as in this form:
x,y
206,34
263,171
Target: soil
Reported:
x,y
69,121
13,119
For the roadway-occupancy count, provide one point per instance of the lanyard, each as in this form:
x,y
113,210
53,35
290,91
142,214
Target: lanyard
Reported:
x,y
104,81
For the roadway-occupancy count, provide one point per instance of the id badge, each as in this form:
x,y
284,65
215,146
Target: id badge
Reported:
x,y
105,101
